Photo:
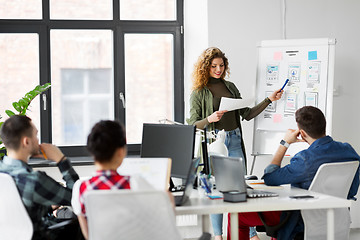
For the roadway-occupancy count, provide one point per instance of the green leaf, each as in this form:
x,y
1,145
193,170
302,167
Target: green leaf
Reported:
x,y
17,106
30,95
22,105
9,113
22,102
45,87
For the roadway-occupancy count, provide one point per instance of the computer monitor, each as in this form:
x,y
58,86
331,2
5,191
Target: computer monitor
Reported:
x,y
173,141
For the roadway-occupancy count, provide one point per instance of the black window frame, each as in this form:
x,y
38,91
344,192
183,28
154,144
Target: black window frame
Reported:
x,y
119,27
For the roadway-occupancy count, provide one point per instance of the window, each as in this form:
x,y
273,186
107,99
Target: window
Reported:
x,y
20,9
19,72
86,98
72,9
82,85
118,59
149,79
148,10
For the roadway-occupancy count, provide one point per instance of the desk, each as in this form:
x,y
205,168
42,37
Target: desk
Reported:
x,y
204,206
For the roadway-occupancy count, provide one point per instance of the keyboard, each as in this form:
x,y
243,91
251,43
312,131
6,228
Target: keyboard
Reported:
x,y
253,193
178,199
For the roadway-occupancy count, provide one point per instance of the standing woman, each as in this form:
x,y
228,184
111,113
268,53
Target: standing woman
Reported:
x,y
209,86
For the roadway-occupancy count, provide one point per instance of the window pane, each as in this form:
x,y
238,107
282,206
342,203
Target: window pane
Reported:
x,y
75,9
82,83
100,81
19,72
72,81
148,80
148,10
73,129
20,9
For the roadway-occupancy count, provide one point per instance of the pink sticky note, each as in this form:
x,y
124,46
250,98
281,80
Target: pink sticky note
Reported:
x,y
277,118
277,56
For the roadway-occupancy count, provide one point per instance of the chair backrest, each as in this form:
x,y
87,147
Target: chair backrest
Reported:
x,y
332,179
15,223
131,215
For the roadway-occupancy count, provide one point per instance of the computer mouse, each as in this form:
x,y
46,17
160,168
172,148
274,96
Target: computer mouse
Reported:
x,y
251,177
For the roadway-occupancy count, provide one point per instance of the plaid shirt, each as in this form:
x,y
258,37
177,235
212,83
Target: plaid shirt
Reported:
x,y
103,180
39,191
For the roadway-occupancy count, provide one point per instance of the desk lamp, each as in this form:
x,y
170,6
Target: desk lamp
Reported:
x,y
218,146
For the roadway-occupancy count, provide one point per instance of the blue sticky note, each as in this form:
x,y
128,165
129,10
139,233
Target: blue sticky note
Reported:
x,y
312,55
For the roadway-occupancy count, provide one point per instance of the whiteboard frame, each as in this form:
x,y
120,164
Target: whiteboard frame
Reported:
x,y
274,135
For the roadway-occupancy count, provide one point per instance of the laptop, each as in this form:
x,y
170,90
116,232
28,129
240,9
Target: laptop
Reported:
x,y
181,199
230,176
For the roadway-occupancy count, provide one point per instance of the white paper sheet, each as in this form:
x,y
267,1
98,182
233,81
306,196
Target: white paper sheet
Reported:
x,y
233,104
156,171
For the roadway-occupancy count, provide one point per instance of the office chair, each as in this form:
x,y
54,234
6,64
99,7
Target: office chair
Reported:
x,y
15,223
334,179
131,215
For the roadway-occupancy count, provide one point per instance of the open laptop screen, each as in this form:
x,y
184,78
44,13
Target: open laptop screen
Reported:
x,y
229,173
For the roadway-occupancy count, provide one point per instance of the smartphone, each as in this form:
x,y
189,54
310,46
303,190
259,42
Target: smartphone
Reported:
x,y
301,196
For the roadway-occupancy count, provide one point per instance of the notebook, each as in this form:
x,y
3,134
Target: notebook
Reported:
x,y
181,199
230,176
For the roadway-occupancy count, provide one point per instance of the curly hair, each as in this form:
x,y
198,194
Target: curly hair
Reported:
x,y
201,71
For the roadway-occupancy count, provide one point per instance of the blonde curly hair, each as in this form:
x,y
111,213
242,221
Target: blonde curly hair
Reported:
x,y
201,71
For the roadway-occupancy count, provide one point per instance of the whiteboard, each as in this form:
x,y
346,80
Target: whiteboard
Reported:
x,y
309,66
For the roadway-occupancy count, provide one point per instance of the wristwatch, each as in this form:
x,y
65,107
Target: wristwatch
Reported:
x,y
284,143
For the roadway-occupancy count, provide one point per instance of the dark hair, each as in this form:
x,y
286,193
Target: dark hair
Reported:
x,y
312,121
13,129
104,139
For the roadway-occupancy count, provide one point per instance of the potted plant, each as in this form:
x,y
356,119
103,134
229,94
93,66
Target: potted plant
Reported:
x,y
21,107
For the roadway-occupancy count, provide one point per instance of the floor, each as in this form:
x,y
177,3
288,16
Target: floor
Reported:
x,y
354,235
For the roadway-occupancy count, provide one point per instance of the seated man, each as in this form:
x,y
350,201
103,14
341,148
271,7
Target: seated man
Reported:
x,y
302,168
107,143
38,191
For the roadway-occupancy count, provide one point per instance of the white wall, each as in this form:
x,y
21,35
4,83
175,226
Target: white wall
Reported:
x,y
195,40
235,26
335,19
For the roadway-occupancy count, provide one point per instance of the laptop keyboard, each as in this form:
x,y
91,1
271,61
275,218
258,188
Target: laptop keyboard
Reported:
x,y
178,200
251,193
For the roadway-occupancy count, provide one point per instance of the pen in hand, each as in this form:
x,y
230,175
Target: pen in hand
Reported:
x,y
287,80
43,153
